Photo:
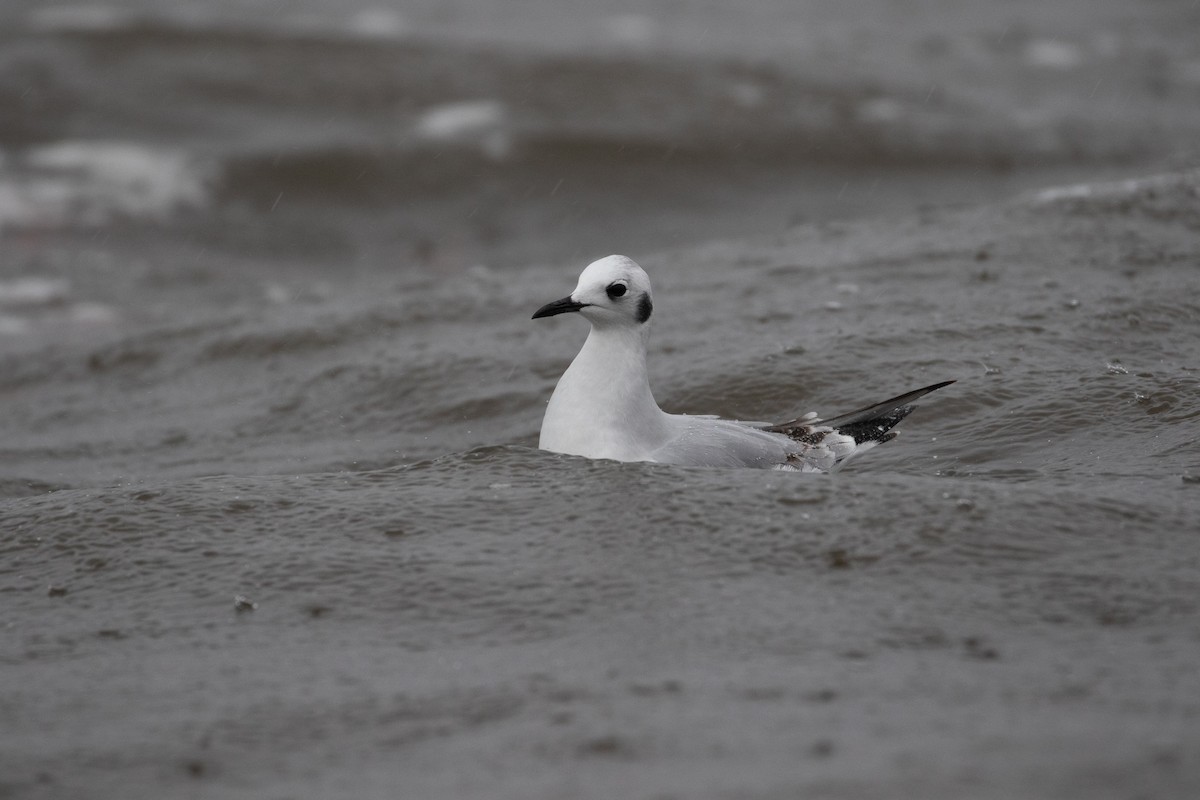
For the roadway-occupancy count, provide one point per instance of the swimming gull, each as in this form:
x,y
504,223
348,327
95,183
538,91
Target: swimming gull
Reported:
x,y
603,408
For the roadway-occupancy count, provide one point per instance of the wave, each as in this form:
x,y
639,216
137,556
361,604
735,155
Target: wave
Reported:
x,y
91,183
367,23
147,116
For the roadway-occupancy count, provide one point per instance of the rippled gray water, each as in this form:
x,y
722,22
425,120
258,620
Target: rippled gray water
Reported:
x,y
329,407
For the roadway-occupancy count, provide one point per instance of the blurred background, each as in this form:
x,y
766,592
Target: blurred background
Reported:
x,y
266,272
364,135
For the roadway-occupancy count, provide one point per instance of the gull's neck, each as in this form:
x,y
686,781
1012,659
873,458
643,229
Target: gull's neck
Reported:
x,y
602,406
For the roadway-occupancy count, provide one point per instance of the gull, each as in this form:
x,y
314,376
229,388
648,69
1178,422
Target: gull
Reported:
x,y
602,406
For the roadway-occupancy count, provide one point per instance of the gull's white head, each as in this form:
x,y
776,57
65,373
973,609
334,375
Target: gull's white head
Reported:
x,y
611,291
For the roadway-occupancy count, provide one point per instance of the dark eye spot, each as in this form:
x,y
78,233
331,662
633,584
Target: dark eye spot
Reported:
x,y
616,290
645,307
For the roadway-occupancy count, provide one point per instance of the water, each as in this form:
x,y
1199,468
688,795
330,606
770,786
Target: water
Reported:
x,y
264,333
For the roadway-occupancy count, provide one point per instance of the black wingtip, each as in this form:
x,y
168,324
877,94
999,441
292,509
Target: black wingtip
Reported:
x,y
873,423
937,386
877,429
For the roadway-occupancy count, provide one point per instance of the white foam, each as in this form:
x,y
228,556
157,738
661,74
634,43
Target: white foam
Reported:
x,y
377,23
1053,54
93,183
1111,189
879,110
632,30
33,291
480,123
748,94
79,18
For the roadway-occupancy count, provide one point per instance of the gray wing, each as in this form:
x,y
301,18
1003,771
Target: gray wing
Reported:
x,y
807,444
707,442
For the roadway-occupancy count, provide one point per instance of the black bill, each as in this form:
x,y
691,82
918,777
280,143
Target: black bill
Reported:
x,y
558,307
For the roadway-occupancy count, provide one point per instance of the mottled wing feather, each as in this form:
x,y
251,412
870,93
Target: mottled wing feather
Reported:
x,y
870,424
